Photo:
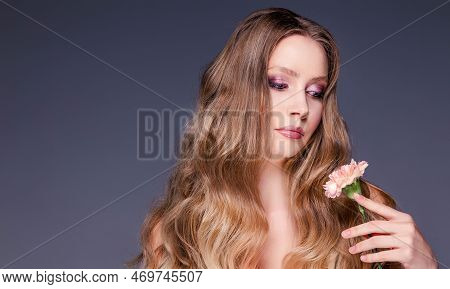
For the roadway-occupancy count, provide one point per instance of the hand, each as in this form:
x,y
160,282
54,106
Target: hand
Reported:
x,y
399,233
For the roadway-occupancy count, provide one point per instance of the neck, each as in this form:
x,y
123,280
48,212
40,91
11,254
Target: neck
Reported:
x,y
273,188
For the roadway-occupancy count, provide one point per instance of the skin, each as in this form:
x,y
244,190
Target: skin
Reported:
x,y
399,233
295,99
296,103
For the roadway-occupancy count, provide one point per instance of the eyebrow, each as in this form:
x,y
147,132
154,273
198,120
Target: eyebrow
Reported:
x,y
295,73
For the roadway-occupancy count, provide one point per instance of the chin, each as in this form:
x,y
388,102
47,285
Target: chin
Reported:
x,y
285,149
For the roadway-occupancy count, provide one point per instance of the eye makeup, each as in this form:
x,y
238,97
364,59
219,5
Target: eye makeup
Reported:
x,y
279,84
318,91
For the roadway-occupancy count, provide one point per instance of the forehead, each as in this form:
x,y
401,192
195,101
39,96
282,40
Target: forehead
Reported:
x,y
301,54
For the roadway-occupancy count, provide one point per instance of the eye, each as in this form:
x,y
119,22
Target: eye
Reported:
x,y
277,85
316,94
316,91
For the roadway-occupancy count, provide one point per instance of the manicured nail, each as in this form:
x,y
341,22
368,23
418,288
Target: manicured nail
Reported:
x,y
345,233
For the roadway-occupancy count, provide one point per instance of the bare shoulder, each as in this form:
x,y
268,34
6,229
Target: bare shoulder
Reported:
x,y
333,259
155,238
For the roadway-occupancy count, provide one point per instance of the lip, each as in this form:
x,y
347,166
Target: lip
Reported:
x,y
291,132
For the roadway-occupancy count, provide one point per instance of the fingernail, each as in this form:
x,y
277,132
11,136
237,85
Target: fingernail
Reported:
x,y
345,233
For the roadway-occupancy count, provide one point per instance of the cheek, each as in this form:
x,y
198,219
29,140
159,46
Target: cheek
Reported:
x,y
316,117
276,118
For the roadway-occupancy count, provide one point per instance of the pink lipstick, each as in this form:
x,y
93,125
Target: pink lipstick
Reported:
x,y
291,132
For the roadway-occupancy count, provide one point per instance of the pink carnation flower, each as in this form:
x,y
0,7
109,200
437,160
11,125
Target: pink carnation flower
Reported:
x,y
346,178
343,176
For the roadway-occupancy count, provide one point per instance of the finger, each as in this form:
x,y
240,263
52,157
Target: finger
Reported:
x,y
377,226
375,242
383,256
379,208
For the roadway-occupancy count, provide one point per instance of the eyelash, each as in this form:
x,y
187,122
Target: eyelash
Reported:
x,y
275,86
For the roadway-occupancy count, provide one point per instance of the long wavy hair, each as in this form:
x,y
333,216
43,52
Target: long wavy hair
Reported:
x,y
211,215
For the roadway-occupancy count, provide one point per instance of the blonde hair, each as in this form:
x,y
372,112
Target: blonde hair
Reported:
x,y
211,215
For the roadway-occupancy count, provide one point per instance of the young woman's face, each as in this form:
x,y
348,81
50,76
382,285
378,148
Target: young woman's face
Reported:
x,y
297,80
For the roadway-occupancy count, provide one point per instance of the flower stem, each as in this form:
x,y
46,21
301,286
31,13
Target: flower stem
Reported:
x,y
377,265
350,190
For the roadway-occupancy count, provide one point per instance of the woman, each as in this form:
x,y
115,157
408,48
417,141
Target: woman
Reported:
x,y
247,191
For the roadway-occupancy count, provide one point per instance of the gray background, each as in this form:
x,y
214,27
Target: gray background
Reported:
x,y
74,194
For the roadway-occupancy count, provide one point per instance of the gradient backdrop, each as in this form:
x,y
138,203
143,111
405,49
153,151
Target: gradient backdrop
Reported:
x,y
74,74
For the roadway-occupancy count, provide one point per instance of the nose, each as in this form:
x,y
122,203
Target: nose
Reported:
x,y
299,105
